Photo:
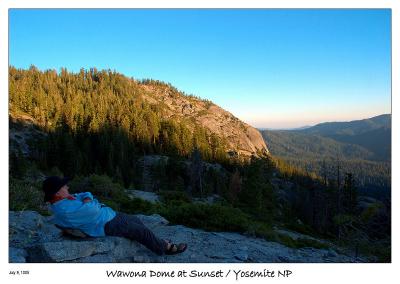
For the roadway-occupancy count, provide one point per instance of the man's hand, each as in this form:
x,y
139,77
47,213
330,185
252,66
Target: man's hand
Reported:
x,y
87,199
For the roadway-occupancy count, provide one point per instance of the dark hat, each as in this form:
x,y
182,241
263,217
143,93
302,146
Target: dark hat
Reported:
x,y
51,185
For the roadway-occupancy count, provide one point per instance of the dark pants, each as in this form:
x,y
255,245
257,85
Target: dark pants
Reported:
x,y
131,227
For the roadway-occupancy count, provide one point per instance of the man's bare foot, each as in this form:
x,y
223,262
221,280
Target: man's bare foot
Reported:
x,y
168,244
173,248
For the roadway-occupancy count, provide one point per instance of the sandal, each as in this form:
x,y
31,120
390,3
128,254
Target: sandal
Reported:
x,y
174,248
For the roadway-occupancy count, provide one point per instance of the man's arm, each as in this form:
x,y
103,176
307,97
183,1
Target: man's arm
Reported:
x,y
87,197
76,214
84,196
86,213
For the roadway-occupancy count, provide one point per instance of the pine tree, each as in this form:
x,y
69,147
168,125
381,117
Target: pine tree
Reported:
x,y
196,173
349,194
235,186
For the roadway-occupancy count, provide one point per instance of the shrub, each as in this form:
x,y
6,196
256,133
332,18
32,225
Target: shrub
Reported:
x,y
209,217
137,205
168,196
262,230
101,186
286,240
54,171
299,227
380,250
302,242
24,195
18,164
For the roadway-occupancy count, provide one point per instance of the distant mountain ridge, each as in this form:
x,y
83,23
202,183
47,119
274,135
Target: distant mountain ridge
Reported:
x,y
363,139
373,134
354,127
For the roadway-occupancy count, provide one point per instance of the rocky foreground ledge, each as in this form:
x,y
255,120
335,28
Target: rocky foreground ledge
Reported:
x,y
33,238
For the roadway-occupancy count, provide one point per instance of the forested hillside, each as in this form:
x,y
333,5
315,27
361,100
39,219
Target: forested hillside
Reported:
x,y
361,147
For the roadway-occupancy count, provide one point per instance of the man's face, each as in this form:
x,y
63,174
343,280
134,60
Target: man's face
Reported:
x,y
63,192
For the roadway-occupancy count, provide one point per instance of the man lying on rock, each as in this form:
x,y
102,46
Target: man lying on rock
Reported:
x,y
83,212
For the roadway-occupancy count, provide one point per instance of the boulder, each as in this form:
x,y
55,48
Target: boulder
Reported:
x,y
242,254
66,250
27,228
17,255
153,220
107,249
331,253
144,195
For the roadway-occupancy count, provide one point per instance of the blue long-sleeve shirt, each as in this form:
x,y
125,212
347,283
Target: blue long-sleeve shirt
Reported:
x,y
89,217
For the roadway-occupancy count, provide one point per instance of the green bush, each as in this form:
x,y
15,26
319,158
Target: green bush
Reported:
x,y
302,242
262,230
17,162
137,205
24,195
101,186
381,251
168,196
54,171
286,240
208,217
299,227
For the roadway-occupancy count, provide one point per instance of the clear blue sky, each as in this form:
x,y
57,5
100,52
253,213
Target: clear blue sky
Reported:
x,y
270,68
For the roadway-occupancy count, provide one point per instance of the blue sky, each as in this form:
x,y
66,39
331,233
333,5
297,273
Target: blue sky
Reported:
x,y
270,68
